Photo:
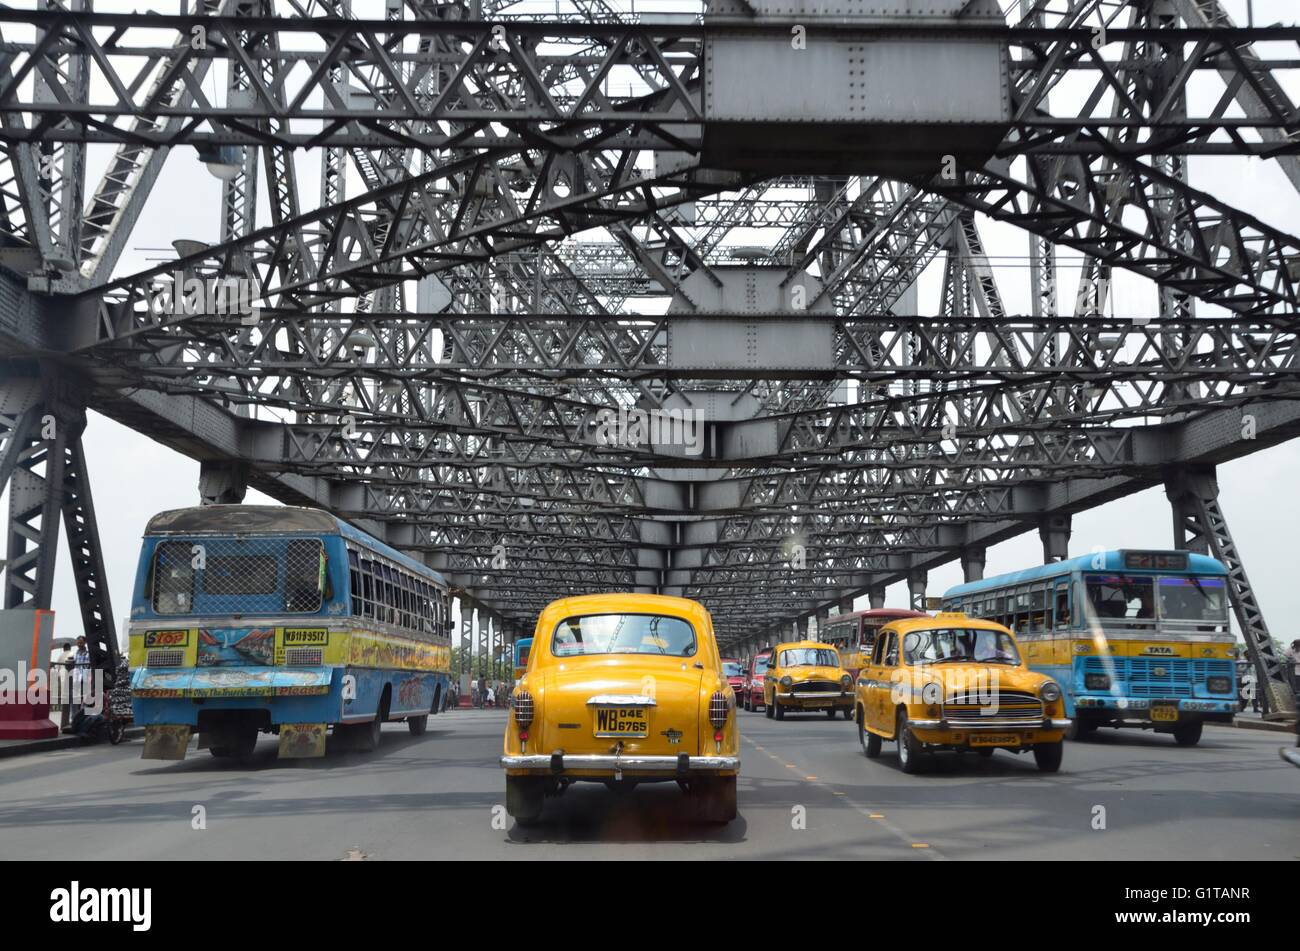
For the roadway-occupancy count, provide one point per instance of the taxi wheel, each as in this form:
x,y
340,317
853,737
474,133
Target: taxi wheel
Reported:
x,y
830,714
748,703
418,725
525,796
778,711
909,750
848,713
1188,734
870,741
1048,756
985,751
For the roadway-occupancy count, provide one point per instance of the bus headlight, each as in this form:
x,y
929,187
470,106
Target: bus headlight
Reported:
x,y
1219,685
1050,692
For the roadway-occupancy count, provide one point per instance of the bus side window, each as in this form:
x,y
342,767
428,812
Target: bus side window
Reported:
x,y
1062,608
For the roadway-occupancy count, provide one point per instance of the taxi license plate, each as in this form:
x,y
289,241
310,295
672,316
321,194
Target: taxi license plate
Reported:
x,y
817,703
994,739
622,721
1164,712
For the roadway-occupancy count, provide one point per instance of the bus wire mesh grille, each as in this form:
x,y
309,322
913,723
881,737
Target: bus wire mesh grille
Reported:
x,y
240,575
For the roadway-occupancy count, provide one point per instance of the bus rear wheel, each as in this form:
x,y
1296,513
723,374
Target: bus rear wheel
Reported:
x,y
418,725
1188,734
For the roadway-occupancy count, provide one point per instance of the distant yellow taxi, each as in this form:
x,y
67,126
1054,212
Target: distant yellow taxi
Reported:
x,y
807,676
622,689
955,682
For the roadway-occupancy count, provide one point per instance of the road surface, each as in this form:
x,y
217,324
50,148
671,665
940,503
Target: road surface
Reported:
x,y
806,792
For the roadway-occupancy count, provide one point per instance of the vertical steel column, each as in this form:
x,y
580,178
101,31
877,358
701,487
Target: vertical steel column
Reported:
x,y
1054,530
916,580
972,564
1200,526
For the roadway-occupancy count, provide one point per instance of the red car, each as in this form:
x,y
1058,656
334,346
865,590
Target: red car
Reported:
x,y
734,671
753,690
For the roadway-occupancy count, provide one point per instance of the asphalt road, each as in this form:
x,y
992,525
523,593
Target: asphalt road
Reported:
x,y
806,792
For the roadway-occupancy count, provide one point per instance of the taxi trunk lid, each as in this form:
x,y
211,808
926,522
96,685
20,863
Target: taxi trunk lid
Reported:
x,y
592,704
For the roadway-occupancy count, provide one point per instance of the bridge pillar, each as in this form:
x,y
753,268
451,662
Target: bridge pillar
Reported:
x,y
916,580
845,605
1054,530
43,463
1200,526
823,614
876,596
222,482
972,564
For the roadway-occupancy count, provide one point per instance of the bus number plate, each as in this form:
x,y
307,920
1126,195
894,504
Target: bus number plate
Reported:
x,y
622,721
1164,712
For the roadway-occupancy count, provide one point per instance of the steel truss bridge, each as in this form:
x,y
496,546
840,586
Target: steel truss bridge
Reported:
x,y
476,233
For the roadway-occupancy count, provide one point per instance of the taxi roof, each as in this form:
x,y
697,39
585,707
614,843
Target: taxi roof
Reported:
x,y
629,602
792,645
943,619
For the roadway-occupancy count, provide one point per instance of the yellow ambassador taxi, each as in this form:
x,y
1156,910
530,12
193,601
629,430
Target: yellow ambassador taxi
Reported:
x,y
623,689
956,682
807,675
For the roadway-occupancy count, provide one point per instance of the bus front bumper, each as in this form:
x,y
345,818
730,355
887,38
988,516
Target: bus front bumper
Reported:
x,y
1140,708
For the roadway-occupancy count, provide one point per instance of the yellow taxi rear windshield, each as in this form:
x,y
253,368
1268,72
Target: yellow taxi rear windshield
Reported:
x,y
592,634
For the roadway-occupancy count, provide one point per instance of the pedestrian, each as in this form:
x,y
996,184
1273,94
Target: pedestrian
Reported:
x,y
1293,666
80,677
1249,691
63,675
491,699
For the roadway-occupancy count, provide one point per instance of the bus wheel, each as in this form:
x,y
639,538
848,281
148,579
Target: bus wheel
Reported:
x,y
1188,734
525,796
417,725
368,734
1048,756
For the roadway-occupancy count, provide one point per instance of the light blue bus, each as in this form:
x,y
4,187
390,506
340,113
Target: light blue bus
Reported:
x,y
1134,638
250,619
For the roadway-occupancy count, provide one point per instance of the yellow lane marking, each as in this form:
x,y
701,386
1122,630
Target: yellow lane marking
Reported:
x,y
894,830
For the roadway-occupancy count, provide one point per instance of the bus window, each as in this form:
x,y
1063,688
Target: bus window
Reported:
x,y
304,576
1127,597
367,587
1062,607
173,578
354,579
1193,599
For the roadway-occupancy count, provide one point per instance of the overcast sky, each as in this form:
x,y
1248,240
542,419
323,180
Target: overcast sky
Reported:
x,y
133,477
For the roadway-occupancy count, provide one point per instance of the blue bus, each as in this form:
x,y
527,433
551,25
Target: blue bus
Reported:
x,y
251,619
1134,638
519,653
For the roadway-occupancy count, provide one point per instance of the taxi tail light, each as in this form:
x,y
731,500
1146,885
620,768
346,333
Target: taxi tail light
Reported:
x,y
719,709
523,704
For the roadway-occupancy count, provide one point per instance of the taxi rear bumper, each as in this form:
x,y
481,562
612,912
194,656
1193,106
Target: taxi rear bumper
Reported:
x,y
682,764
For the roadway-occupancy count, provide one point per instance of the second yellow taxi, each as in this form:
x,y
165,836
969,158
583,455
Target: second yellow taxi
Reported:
x,y
955,682
807,676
